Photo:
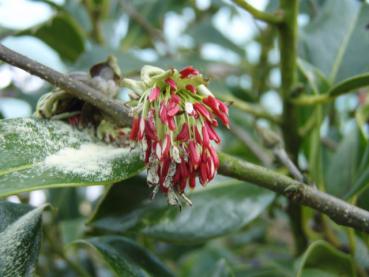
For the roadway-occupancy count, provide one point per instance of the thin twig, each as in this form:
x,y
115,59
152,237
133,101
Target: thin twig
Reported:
x,y
276,18
140,20
255,148
282,156
338,210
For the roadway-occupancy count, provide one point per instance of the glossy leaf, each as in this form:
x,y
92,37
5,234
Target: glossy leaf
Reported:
x,y
336,40
216,211
62,34
321,259
362,116
39,154
20,238
207,261
349,85
314,77
205,32
125,257
348,168
127,62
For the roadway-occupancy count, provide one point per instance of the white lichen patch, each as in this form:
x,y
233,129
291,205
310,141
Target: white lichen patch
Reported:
x,y
87,160
35,139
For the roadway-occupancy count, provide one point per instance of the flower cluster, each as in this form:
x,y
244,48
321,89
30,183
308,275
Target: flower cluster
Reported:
x,y
175,122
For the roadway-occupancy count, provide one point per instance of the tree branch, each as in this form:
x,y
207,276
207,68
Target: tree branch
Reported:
x,y
337,209
114,108
263,16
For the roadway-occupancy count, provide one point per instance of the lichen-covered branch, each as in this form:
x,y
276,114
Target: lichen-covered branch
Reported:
x,y
338,210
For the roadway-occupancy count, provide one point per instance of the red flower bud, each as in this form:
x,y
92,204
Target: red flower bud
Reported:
x,y
134,128
197,135
172,110
184,135
166,146
141,129
194,155
163,113
212,134
205,136
214,157
203,174
202,110
171,123
154,94
171,83
188,71
192,181
191,88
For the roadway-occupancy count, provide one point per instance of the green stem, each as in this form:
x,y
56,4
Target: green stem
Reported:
x,y
288,51
311,100
276,18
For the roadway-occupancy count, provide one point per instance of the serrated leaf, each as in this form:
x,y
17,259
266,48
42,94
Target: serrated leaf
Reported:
x,y
321,259
20,236
125,257
39,154
62,34
216,211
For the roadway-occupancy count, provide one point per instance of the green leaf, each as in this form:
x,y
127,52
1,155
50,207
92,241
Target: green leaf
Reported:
x,y
314,77
342,167
205,32
336,40
321,259
20,237
209,261
348,171
125,257
146,21
350,84
362,116
127,62
216,211
40,154
61,33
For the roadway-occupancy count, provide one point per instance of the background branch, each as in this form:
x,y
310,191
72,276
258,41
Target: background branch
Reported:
x,y
263,16
114,108
338,210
